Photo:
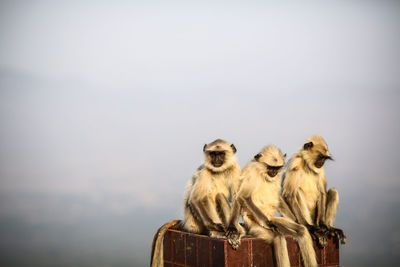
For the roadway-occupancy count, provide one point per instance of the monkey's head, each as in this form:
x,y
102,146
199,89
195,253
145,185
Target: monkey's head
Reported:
x,y
219,155
315,152
272,158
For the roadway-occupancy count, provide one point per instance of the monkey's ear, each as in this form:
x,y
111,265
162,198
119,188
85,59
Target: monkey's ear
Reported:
x,y
204,148
256,157
233,148
284,155
308,146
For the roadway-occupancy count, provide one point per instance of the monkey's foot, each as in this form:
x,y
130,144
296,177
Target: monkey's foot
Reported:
x,y
322,241
319,234
338,233
234,242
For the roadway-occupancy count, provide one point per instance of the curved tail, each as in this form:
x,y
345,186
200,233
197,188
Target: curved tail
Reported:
x,y
157,241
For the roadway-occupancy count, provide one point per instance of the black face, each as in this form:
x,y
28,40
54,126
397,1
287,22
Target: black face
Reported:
x,y
273,170
319,162
217,158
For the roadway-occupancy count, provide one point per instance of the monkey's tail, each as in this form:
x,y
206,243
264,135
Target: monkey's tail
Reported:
x,y
156,256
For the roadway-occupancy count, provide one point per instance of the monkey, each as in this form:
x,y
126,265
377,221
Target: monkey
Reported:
x,y
258,199
304,189
207,196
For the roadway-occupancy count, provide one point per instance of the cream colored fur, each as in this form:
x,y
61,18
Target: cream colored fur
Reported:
x,y
305,185
207,185
260,190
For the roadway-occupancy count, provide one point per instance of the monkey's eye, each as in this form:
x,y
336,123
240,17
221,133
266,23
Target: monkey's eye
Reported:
x,y
216,153
322,157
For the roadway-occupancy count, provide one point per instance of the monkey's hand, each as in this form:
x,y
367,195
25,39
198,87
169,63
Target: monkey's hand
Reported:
x,y
318,234
324,229
322,239
312,229
317,230
233,236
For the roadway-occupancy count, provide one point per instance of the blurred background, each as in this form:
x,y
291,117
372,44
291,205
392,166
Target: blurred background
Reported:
x,y
105,107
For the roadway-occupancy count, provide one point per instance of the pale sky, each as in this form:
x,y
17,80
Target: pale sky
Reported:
x,y
105,108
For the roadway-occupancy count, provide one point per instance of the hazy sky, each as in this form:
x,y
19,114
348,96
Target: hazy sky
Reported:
x,y
105,107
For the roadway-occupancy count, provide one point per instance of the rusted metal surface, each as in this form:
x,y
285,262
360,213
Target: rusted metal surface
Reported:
x,y
185,249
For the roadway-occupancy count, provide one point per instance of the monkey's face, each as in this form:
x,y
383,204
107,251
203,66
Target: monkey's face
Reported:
x,y
273,160
217,158
316,154
272,171
320,160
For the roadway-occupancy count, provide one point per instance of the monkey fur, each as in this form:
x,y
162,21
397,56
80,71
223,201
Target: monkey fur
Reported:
x,y
207,196
258,199
157,256
304,190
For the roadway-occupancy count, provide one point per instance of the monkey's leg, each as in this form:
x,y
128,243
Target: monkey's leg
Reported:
x,y
278,241
192,221
223,213
303,216
301,235
208,214
331,209
299,208
319,229
331,206
235,231
225,209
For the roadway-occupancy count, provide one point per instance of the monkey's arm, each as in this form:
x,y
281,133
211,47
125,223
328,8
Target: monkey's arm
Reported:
x,y
292,193
285,210
236,182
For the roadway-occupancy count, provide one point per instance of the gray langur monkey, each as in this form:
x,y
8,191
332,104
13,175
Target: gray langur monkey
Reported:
x,y
207,196
258,200
305,191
